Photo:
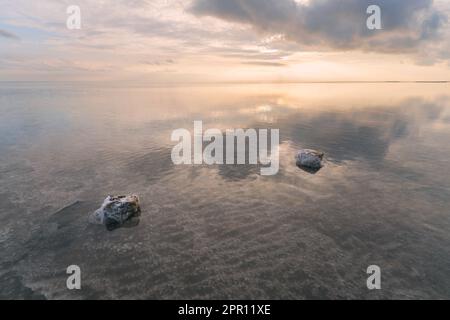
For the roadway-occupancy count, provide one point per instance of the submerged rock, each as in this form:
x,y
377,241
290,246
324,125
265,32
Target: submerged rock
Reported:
x,y
311,160
117,212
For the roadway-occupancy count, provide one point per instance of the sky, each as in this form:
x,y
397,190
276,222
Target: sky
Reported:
x,y
176,41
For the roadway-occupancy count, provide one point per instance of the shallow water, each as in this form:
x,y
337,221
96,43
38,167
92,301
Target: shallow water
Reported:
x,y
226,231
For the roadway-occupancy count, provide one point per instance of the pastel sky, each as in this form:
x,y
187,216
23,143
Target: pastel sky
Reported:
x,y
176,41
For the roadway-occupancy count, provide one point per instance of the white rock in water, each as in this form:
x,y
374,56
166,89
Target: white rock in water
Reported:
x,y
309,159
117,211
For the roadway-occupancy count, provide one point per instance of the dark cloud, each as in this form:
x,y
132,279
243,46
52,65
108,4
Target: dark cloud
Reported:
x,y
334,24
8,35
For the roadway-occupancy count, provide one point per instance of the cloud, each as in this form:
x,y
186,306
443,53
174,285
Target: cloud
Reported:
x,y
334,24
163,62
264,63
8,35
293,39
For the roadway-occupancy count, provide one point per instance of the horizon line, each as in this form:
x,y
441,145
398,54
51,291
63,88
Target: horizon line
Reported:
x,y
230,82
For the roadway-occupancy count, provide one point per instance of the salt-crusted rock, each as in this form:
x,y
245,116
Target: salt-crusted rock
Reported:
x,y
117,211
310,159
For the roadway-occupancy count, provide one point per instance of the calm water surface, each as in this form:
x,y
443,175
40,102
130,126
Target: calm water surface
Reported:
x,y
225,231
